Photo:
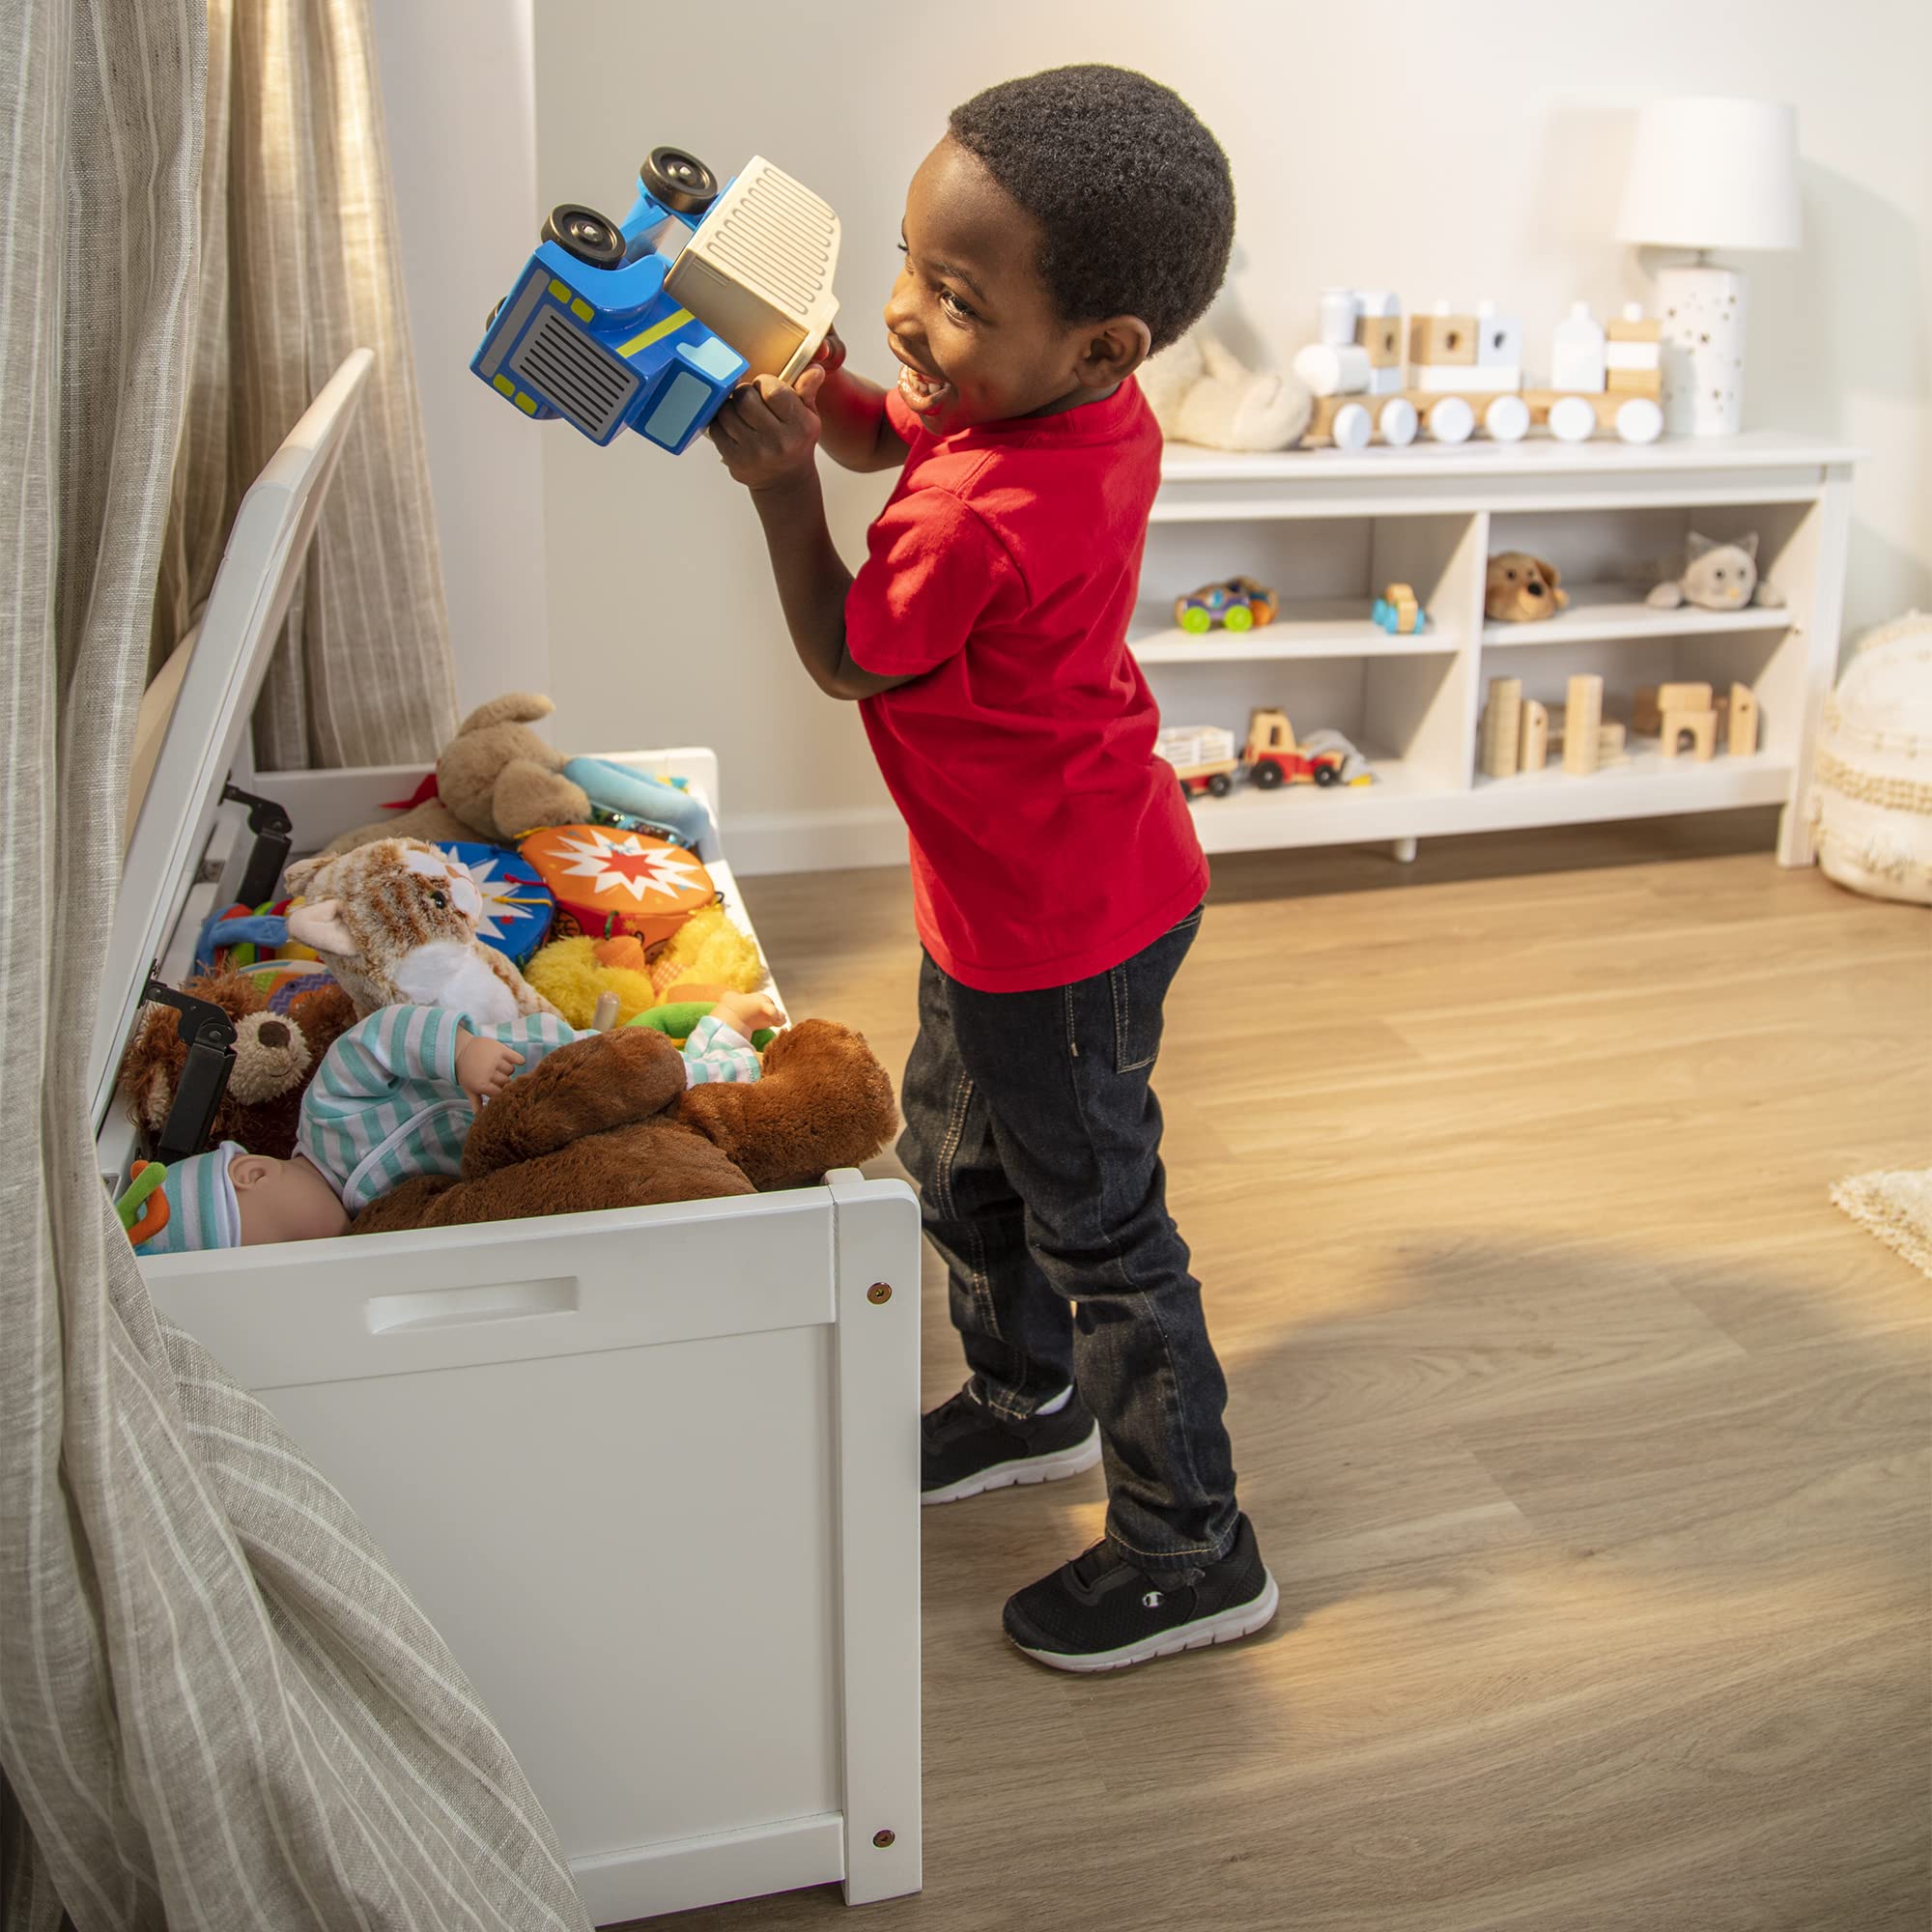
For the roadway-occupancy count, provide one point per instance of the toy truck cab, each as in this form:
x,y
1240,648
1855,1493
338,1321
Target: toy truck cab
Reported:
x,y
651,322
1274,758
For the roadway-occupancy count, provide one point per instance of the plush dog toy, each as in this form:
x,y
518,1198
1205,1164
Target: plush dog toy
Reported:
x,y
1520,589
396,922
1718,576
495,781
607,1121
275,1054
1201,393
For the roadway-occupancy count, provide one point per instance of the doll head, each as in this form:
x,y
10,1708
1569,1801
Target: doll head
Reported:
x,y
234,1199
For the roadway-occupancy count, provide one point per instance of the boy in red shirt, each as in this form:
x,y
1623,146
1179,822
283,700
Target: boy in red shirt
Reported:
x,y
1069,225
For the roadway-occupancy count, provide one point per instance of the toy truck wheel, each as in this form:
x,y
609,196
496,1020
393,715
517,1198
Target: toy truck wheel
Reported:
x,y
677,181
1240,618
1267,775
1328,774
587,235
1220,784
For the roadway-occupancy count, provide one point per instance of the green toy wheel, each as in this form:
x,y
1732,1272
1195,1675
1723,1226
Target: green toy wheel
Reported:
x,y
1240,618
1194,620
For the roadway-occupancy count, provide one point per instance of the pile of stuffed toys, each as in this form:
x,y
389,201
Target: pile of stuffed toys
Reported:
x,y
519,882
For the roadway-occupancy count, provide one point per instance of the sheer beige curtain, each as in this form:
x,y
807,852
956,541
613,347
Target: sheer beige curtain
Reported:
x,y
299,266
218,1707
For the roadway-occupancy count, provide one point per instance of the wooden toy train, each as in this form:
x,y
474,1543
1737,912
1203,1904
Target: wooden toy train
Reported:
x,y
1467,371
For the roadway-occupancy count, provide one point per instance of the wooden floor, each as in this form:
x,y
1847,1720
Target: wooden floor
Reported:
x,y
1591,1446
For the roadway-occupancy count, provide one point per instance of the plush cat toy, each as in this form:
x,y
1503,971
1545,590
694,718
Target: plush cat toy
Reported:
x,y
1718,576
395,921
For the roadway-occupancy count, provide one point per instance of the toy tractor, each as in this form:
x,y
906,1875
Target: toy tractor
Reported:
x,y
1274,758
652,322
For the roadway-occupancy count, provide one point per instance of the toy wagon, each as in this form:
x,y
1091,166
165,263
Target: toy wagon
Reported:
x,y
1239,603
652,322
1203,757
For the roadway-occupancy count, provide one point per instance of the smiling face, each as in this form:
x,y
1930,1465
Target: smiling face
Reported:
x,y
974,328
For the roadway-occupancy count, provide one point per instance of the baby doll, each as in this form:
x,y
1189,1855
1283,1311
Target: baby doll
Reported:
x,y
395,1098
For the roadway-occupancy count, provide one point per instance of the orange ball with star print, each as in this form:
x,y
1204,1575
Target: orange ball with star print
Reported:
x,y
607,881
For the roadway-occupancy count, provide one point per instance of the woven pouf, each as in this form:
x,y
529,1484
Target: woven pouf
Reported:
x,y
1871,785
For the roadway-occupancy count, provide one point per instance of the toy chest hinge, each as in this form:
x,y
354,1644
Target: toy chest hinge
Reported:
x,y
209,1034
275,835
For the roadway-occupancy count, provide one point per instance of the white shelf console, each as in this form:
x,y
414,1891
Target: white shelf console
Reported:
x,y
1327,528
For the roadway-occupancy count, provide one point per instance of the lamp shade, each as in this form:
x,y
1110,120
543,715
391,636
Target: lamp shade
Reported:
x,y
1707,172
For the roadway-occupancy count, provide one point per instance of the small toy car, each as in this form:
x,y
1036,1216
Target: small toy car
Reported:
x,y
651,322
1397,611
1203,757
1240,604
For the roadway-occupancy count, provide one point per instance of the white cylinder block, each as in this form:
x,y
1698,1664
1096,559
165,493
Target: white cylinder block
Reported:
x,y
1333,368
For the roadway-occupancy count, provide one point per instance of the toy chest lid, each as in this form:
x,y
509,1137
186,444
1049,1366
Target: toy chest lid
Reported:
x,y
205,733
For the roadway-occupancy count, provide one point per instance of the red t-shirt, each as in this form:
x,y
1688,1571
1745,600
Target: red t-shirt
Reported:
x,y
1048,842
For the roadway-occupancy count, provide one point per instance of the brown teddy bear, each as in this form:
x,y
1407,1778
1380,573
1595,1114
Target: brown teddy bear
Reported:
x,y
275,1054
607,1121
1520,589
493,782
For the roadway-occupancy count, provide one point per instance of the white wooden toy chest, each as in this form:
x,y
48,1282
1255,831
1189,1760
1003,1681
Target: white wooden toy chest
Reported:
x,y
652,1473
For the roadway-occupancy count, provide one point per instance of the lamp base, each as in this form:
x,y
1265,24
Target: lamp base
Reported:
x,y
1703,349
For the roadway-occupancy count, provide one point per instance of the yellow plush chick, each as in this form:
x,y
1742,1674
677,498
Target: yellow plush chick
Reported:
x,y
708,949
570,976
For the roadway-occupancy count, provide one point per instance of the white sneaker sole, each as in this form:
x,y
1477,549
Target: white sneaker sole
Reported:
x,y
1225,1627
1073,1461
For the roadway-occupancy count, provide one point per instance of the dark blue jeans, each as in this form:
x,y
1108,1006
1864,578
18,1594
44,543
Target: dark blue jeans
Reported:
x,y
1034,1133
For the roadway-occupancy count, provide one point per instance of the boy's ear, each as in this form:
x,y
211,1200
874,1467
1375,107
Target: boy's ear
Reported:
x,y
1114,350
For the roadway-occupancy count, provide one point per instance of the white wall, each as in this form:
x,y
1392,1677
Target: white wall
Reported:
x,y
1467,150
460,112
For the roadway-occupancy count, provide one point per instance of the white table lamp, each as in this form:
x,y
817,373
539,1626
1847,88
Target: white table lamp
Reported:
x,y
1704,174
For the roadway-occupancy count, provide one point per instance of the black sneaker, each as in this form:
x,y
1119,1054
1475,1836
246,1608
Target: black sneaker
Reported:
x,y
1100,1613
966,1449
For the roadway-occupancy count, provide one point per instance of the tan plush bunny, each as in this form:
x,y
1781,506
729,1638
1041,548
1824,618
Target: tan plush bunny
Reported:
x,y
395,921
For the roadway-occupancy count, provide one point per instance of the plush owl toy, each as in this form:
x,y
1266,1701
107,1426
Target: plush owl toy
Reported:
x,y
396,922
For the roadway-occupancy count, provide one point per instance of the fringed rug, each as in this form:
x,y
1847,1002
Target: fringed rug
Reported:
x,y
1897,1207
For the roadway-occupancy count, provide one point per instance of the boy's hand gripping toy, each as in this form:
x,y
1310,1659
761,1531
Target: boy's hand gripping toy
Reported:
x,y
653,322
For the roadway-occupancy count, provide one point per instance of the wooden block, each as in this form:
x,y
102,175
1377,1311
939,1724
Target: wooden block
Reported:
x,y
1631,355
1459,378
1683,697
1382,336
1342,420
1582,716
1442,338
1609,741
1498,341
1639,328
1635,383
1535,751
1646,715
1501,738
1693,732
1740,721
1387,381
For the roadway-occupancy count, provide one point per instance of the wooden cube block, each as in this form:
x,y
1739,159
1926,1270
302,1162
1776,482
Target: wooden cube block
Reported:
x,y
1633,329
1583,718
1498,341
1634,383
1683,697
1442,338
1610,740
1693,732
1382,336
1646,715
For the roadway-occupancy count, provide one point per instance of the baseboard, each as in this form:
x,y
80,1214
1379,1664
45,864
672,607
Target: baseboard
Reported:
x,y
814,841
682,1874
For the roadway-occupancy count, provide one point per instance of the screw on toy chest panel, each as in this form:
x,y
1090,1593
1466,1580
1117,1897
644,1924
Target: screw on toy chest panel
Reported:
x,y
878,1293
885,1840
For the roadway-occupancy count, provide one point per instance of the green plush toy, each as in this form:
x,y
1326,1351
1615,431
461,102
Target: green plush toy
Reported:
x,y
679,1022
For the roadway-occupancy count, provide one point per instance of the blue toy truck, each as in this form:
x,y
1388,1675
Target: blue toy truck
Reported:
x,y
650,323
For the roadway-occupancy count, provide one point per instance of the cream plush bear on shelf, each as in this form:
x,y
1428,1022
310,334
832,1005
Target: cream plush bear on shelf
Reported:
x,y
1201,393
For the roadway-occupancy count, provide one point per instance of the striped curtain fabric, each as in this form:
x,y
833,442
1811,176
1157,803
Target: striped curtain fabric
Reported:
x,y
218,1706
299,266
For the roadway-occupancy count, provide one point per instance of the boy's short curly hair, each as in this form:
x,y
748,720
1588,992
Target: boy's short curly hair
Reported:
x,y
1134,193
